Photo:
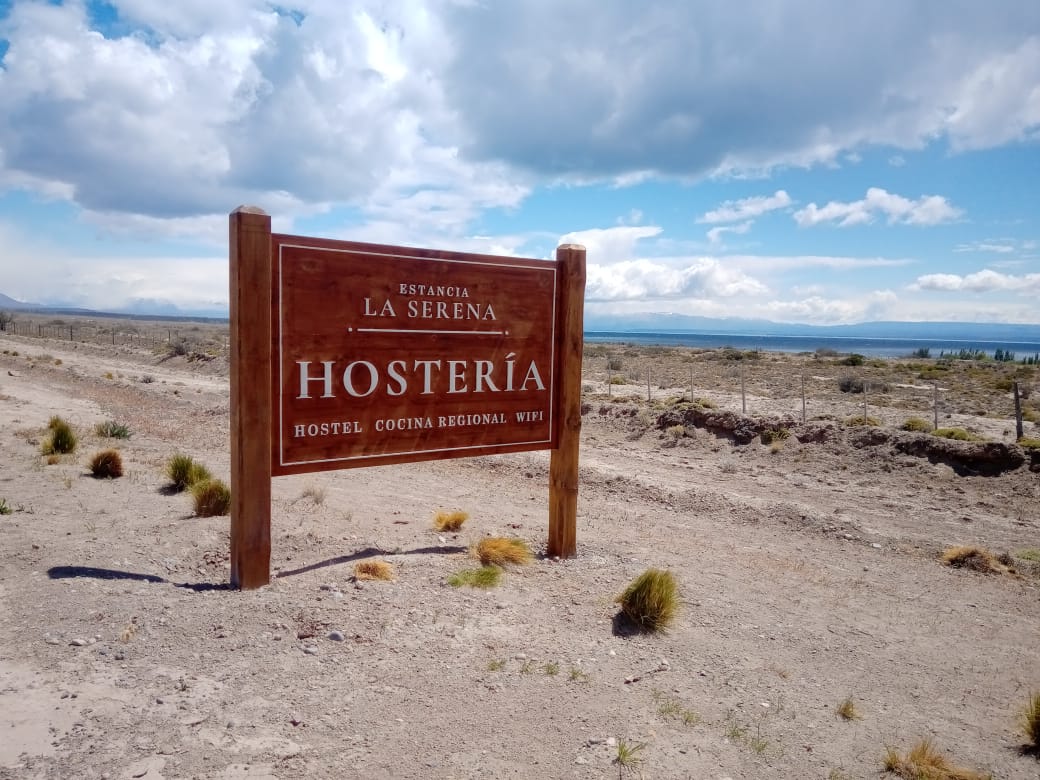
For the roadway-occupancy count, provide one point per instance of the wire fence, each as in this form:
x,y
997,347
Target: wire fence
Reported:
x,y
117,335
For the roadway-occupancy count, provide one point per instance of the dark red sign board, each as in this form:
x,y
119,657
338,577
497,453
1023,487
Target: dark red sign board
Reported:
x,y
386,354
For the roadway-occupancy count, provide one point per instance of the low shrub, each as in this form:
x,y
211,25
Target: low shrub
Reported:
x,y
498,551
851,384
775,435
1029,443
112,430
854,359
62,439
651,601
859,420
106,464
5,509
957,434
974,558
925,762
918,424
211,498
449,521
1030,722
373,570
705,403
675,432
184,471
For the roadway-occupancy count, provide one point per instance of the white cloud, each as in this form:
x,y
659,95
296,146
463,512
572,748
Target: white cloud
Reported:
x,y
746,208
607,246
926,210
649,280
716,233
997,245
984,281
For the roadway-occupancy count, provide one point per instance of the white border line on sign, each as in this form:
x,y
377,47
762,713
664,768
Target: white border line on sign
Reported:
x,y
550,266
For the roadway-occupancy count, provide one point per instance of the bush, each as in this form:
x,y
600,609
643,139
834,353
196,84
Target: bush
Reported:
x,y
184,471
851,384
498,551
925,762
957,434
651,601
918,424
449,521
854,359
1031,721
974,558
212,498
62,439
373,570
1029,443
860,420
775,435
106,464
112,430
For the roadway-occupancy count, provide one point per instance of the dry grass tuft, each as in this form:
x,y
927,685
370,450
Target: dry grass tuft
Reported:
x,y
924,762
651,601
211,498
498,551
974,558
106,464
373,570
847,710
1030,722
452,521
917,424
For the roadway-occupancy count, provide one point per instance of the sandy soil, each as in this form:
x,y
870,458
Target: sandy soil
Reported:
x,y
810,573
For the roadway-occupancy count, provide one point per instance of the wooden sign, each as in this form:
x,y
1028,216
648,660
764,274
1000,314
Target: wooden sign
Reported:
x,y
386,354
347,354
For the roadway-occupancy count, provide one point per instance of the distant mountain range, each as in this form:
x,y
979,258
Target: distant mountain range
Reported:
x,y
650,322
681,323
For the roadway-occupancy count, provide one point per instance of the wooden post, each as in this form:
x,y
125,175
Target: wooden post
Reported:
x,y
609,376
691,384
649,398
866,384
803,399
1019,432
743,396
563,462
935,404
250,304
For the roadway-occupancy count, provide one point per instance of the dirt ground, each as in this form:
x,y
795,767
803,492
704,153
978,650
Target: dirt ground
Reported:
x,y
810,575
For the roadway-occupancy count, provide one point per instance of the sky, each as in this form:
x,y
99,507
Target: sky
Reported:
x,y
805,161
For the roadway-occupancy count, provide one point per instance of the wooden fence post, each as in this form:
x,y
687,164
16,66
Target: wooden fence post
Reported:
x,y
803,399
1019,431
743,396
250,304
563,462
935,405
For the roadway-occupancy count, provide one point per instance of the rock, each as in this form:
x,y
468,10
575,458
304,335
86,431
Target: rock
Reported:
x,y
52,640
611,742
336,636
310,649
79,642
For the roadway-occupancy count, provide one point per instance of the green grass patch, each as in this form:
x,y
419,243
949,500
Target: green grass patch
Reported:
x,y
61,441
111,429
211,498
184,471
957,434
485,577
651,601
917,424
